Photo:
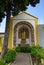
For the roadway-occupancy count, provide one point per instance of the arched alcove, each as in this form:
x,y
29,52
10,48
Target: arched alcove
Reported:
x,y
23,30
27,24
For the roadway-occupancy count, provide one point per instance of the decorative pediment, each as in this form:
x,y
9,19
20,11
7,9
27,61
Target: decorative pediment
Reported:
x,y
24,15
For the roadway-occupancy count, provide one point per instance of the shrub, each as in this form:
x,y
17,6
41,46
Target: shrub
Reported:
x,y
37,52
10,56
18,49
26,49
2,62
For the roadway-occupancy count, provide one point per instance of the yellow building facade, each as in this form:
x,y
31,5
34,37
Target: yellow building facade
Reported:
x,y
23,31
1,40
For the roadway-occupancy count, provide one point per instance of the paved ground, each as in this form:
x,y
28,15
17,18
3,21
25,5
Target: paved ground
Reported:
x,y
22,59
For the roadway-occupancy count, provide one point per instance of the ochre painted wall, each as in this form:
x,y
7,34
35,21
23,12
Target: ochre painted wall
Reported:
x,y
0,44
10,36
36,25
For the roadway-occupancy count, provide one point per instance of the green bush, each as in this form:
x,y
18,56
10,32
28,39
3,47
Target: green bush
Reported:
x,y
10,56
26,49
2,62
41,53
37,52
18,49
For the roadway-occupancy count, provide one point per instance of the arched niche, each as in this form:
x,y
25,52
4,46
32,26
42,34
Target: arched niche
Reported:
x,y
29,25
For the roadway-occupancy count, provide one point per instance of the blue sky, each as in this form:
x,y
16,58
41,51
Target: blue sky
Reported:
x,y
37,11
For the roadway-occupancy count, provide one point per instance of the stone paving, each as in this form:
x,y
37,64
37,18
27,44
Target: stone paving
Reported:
x,y
22,59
